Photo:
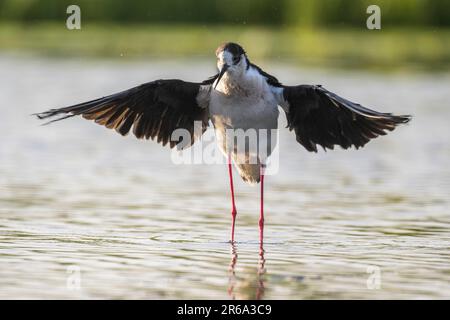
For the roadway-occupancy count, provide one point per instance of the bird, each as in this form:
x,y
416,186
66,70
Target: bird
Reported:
x,y
240,96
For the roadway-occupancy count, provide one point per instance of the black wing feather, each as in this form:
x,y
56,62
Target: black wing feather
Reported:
x,y
271,80
321,117
154,110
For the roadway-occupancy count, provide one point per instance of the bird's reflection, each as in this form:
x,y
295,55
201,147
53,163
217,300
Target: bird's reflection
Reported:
x,y
246,287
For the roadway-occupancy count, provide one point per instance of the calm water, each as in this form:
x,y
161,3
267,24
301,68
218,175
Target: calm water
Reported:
x,y
80,204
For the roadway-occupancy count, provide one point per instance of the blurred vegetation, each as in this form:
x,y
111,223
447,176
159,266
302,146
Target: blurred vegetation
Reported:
x,y
348,13
415,34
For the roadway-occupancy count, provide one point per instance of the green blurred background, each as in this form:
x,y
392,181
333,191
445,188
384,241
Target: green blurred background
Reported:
x,y
414,35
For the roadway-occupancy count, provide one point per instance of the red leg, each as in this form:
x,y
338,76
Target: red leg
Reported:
x,y
261,216
233,210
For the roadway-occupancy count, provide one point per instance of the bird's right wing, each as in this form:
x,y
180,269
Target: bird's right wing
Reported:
x,y
154,110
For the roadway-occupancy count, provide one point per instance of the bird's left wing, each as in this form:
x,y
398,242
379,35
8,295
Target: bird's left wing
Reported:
x,y
321,117
154,110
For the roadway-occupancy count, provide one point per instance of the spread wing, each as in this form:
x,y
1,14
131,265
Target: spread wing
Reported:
x,y
320,117
151,110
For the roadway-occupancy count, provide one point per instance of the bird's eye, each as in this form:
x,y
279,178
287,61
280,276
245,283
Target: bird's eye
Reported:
x,y
236,59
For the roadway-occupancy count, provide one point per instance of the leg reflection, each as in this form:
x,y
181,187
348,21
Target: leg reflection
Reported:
x,y
246,287
232,272
261,271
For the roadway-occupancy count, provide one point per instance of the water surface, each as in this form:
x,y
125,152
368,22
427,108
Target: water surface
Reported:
x,y
79,200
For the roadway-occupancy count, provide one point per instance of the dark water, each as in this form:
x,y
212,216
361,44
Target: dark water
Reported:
x,y
86,213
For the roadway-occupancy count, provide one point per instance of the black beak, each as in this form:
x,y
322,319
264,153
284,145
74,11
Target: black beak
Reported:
x,y
222,72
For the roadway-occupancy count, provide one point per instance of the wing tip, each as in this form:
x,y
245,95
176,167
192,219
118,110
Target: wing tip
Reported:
x,y
42,115
403,119
392,121
49,114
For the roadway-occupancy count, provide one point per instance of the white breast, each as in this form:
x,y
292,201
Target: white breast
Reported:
x,y
244,103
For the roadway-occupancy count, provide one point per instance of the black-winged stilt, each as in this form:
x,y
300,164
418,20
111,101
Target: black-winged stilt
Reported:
x,y
240,96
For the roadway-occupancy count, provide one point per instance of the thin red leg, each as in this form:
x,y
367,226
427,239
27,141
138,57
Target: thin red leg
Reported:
x,y
261,216
233,210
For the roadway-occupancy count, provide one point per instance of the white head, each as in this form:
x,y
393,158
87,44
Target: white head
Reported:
x,y
231,59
